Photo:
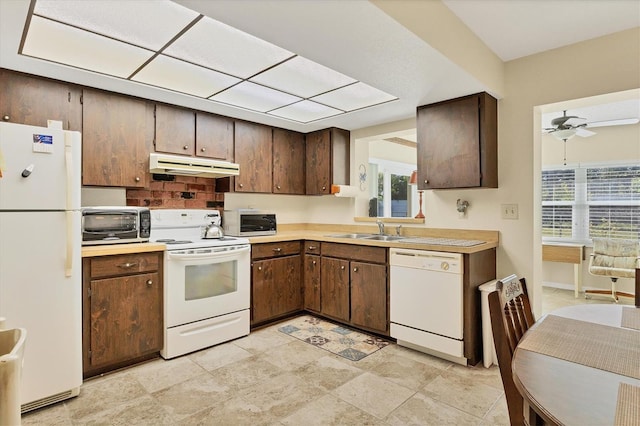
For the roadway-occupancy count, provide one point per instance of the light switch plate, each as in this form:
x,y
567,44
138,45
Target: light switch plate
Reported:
x,y
509,211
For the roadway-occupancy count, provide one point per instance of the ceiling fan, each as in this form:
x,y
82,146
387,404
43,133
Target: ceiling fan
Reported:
x,y
568,126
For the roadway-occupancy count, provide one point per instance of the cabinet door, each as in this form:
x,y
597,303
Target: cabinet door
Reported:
x,y
33,100
262,291
175,130
448,144
369,296
276,288
288,162
288,275
117,135
334,288
253,152
214,136
318,162
126,318
312,282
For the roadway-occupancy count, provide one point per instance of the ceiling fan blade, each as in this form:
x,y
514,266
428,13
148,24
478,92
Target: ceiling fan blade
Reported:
x,y
618,122
584,133
575,121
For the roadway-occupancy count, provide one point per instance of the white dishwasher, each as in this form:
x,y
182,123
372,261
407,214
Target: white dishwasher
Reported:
x,y
426,302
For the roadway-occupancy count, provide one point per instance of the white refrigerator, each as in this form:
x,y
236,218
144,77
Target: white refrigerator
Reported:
x,y
40,258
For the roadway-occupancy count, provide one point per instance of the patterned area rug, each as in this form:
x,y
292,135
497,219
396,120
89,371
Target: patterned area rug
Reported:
x,y
334,338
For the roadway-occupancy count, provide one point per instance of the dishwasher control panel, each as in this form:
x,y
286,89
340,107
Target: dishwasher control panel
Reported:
x,y
428,260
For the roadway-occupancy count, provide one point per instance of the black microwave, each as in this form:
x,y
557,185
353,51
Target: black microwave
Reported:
x,y
114,225
249,222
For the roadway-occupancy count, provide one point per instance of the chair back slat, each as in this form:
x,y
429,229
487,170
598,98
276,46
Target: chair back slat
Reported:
x,y
511,317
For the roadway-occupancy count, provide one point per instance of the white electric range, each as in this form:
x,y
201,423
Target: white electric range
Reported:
x,y
206,281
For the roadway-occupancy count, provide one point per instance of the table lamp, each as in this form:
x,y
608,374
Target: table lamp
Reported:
x,y
413,180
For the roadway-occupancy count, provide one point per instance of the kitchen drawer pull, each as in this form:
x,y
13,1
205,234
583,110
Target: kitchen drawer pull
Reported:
x,y
277,250
149,283
128,265
312,247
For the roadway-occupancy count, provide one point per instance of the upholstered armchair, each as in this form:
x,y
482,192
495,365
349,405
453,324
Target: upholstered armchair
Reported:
x,y
614,259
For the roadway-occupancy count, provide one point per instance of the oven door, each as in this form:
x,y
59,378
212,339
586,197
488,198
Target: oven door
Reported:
x,y
205,283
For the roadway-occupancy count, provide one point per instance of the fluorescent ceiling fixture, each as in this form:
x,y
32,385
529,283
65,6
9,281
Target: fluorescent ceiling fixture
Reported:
x,y
143,23
184,77
302,77
70,46
355,96
619,122
253,96
224,48
305,112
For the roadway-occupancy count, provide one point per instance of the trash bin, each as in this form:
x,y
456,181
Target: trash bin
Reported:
x,y
488,348
11,358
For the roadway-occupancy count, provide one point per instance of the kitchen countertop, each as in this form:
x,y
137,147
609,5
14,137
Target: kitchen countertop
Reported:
x,y
109,249
320,232
490,239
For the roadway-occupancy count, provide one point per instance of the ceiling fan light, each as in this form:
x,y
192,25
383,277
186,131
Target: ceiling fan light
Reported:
x,y
564,134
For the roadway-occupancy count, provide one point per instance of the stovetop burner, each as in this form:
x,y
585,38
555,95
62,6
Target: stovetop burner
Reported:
x,y
173,241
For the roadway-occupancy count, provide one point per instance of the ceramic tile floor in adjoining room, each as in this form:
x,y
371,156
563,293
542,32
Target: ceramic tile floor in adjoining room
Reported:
x,y
271,378
554,298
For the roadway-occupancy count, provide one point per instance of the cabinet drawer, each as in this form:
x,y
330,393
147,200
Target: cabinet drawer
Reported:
x,y
124,264
312,247
286,248
355,252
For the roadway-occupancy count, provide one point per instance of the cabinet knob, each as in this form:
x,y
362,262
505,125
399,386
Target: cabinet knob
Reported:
x,y
342,267
312,247
185,147
203,149
149,283
426,181
137,179
314,262
324,187
277,186
240,185
128,265
277,249
355,269
259,268
6,117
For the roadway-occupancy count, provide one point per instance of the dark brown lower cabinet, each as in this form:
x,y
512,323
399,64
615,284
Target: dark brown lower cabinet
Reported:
x,y
276,280
334,288
312,282
369,296
122,310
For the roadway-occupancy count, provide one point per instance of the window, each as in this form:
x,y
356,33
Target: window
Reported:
x,y
391,192
586,201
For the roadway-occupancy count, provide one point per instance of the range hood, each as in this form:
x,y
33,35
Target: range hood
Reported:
x,y
191,166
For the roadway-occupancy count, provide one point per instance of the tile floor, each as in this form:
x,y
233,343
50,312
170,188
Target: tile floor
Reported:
x,y
271,378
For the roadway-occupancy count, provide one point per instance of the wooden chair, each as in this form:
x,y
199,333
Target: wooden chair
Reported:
x,y
614,259
511,317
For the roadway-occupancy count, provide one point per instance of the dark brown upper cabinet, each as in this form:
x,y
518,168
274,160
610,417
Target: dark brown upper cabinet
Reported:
x,y
327,160
288,162
253,152
30,100
458,143
117,137
214,136
175,130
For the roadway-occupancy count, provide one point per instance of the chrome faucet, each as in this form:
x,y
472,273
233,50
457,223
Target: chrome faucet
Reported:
x,y
380,226
398,230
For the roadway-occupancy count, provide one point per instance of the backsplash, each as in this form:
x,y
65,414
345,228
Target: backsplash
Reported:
x,y
180,192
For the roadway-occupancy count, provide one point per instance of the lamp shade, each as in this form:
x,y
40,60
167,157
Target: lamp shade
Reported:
x,y
413,180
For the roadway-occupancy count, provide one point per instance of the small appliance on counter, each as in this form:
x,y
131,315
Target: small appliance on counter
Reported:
x,y
115,225
249,222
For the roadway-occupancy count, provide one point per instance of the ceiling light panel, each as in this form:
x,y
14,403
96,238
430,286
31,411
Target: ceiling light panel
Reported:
x,y
302,77
255,97
181,76
305,112
70,46
149,24
355,96
224,48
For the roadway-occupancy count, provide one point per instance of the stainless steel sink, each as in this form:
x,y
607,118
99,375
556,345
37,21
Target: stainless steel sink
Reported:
x,y
384,238
359,236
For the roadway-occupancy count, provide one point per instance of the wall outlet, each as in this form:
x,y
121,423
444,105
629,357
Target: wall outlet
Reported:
x,y
509,211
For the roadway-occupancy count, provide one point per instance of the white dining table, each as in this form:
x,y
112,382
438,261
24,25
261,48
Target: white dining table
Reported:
x,y
563,368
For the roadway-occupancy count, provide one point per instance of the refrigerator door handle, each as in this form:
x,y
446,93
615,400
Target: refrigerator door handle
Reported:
x,y
68,159
68,265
